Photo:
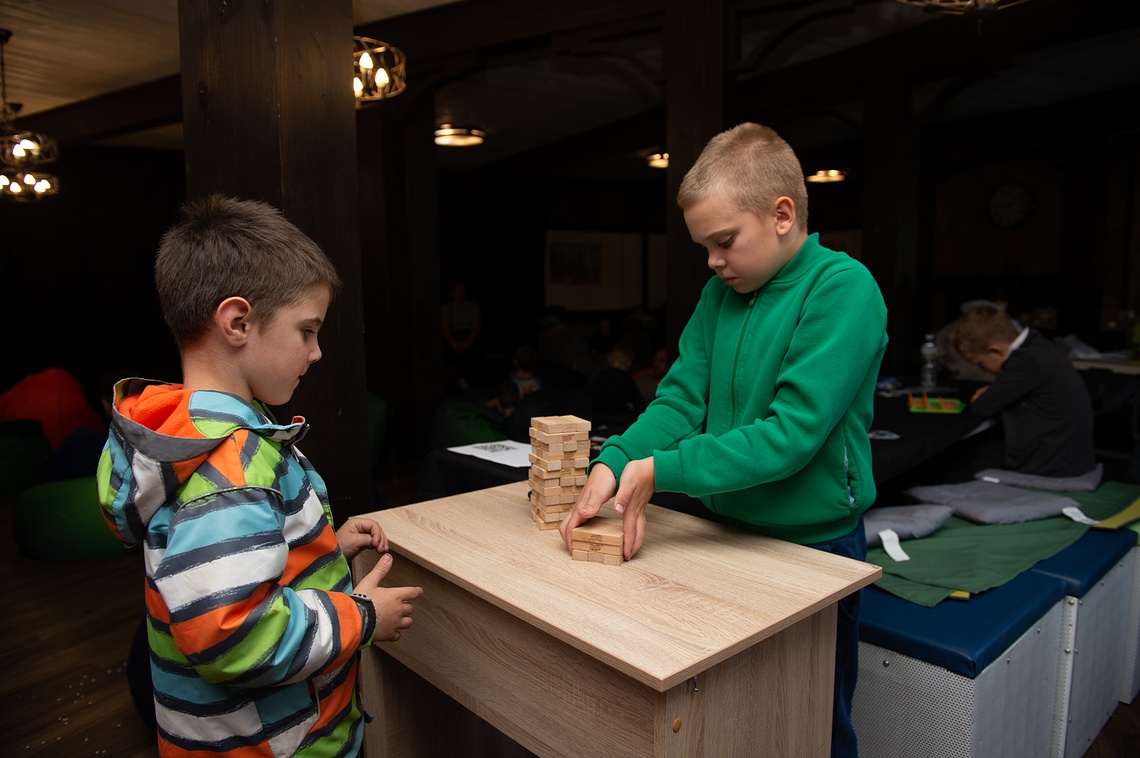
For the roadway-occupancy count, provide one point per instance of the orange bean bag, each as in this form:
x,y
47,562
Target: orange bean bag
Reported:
x,y
55,399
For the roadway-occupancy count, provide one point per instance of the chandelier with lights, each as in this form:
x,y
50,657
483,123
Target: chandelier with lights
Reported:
x,y
22,152
377,70
963,7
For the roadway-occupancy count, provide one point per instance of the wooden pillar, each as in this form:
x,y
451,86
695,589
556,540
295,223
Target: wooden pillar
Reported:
x,y
892,184
269,115
694,113
400,243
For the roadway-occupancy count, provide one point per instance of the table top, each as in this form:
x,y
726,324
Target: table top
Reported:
x,y
1115,364
696,594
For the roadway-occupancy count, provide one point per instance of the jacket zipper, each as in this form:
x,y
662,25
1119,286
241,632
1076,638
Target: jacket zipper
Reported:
x,y
736,357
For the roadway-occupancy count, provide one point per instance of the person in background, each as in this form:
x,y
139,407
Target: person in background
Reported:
x,y
648,377
524,370
460,322
1044,405
765,413
614,396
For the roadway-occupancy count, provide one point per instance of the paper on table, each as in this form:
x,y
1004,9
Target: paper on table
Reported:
x,y
506,452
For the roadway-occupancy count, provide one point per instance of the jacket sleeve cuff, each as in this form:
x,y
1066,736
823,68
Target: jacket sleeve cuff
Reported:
x,y
368,614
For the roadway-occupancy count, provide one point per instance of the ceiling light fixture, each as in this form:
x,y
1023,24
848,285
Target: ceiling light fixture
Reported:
x,y
963,7
377,70
458,136
22,152
825,176
658,160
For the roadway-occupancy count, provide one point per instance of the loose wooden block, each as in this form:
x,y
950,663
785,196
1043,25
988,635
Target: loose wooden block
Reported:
x,y
580,555
606,558
605,531
597,547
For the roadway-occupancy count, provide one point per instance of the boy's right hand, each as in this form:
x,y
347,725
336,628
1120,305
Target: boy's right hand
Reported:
x,y
393,604
598,489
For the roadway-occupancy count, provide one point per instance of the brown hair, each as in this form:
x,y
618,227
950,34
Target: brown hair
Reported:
x,y
981,327
751,164
224,247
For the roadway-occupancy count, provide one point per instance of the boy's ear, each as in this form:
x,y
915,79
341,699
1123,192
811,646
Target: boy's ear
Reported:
x,y
998,348
232,318
784,210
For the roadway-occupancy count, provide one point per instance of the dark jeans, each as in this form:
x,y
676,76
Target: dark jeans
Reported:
x,y
843,743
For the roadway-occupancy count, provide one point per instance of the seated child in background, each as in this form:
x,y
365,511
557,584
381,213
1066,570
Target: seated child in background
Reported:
x,y
614,396
524,370
1045,409
253,622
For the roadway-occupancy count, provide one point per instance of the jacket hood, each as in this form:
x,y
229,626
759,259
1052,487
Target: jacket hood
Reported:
x,y
160,435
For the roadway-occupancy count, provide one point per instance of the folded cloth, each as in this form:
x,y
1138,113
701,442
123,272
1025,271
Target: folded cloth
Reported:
x,y
907,521
1083,483
974,558
989,503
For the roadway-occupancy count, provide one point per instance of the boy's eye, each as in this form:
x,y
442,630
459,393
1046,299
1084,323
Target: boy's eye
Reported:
x,y
726,242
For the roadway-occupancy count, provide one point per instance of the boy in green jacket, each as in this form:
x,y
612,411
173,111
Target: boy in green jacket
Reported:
x,y
765,413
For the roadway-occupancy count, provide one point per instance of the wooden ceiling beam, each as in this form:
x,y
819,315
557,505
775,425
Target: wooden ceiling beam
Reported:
x,y
157,103
947,47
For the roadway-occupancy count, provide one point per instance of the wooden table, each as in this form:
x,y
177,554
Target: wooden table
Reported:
x,y
710,642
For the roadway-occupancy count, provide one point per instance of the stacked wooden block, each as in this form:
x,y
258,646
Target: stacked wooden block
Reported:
x,y
560,452
599,540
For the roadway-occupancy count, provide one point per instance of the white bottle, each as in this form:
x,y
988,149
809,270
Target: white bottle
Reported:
x,y
929,363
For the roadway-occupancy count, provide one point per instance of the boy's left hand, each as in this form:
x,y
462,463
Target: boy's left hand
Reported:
x,y
358,534
634,490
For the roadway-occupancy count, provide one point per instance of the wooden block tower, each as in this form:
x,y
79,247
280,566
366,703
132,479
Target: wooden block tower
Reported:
x,y
560,452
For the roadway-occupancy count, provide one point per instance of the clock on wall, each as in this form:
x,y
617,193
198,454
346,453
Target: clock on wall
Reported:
x,y
1011,205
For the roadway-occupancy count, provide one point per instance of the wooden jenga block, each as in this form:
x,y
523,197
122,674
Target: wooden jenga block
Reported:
x,y
544,525
597,547
573,459
560,498
585,555
542,514
560,424
563,477
606,531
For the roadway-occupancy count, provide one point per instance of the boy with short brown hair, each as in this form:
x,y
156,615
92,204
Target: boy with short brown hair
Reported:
x,y
253,622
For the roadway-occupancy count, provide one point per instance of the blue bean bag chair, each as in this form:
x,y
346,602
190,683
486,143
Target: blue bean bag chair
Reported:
x,y
60,521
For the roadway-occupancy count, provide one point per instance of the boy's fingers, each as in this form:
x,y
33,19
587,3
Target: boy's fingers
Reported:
x,y
378,572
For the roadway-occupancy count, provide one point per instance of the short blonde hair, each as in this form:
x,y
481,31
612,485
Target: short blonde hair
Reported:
x,y
981,327
752,165
224,247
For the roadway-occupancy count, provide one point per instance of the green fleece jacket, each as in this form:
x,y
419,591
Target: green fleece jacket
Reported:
x,y
765,413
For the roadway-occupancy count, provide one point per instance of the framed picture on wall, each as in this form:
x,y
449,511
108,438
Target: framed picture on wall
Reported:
x,y
587,271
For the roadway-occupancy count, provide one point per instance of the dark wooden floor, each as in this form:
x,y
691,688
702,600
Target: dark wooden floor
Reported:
x,y
63,678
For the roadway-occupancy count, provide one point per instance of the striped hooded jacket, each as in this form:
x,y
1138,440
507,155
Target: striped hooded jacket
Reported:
x,y
253,632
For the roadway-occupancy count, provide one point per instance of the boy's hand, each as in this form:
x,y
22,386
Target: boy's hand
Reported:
x,y
358,534
637,486
393,604
598,489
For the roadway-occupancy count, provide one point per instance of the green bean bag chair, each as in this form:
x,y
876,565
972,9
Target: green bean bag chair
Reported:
x,y
60,521
22,449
